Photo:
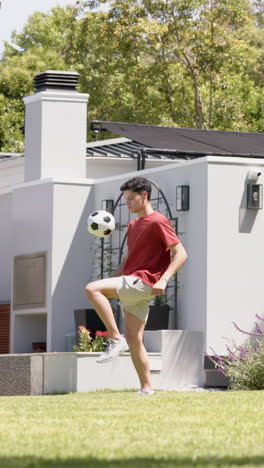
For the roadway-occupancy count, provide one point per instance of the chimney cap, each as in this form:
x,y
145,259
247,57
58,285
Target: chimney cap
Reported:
x,y
56,80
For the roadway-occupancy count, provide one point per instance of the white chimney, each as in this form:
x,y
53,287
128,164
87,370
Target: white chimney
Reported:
x,y
55,133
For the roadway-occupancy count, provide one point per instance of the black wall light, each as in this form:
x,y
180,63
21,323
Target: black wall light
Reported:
x,y
182,197
108,205
254,196
254,192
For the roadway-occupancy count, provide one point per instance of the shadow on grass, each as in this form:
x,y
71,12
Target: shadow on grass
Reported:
x,y
90,462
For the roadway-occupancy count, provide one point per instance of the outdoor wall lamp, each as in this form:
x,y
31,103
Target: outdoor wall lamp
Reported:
x,y
96,126
254,192
108,205
182,197
254,196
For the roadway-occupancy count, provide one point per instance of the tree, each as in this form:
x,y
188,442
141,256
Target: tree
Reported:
x,y
183,46
191,63
30,54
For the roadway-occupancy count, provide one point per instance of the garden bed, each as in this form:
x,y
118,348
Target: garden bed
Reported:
x,y
176,360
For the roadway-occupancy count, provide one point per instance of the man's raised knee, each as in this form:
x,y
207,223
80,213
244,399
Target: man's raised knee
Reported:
x,y
89,289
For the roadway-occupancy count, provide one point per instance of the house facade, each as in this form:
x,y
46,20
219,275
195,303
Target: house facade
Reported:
x,y
47,256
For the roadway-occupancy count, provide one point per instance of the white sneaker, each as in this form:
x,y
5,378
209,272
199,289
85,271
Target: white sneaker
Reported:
x,y
113,349
143,392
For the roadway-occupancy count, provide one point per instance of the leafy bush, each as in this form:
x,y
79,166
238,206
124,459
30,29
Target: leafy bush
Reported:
x,y
244,365
88,344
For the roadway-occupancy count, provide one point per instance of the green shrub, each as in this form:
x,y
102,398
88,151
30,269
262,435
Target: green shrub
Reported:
x,y
243,365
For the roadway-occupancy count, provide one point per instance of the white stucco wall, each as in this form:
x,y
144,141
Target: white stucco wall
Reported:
x,y
220,283
192,230
51,216
98,167
12,170
32,212
72,261
11,173
55,134
5,247
29,328
235,254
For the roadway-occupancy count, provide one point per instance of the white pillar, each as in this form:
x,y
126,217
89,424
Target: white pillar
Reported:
x,y
55,134
55,181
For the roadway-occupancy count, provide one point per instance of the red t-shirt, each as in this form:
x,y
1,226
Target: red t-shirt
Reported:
x,y
148,253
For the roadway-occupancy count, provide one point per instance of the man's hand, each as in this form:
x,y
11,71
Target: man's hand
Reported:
x,y
159,288
178,260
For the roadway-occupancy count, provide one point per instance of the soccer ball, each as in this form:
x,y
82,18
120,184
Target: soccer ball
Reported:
x,y
100,223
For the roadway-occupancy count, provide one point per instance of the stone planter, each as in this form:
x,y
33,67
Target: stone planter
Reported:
x,y
182,357
176,361
47,373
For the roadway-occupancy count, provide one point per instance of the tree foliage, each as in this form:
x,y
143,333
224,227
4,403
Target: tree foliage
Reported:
x,y
191,63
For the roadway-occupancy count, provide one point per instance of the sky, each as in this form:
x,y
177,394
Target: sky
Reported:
x,y
14,14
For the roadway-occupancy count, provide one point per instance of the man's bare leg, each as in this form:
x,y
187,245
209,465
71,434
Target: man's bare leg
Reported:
x,y
98,293
134,335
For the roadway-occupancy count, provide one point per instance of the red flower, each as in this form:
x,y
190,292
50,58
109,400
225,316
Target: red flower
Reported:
x,y
103,334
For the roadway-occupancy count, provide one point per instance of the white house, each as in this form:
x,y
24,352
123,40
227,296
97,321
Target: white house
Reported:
x,y
47,256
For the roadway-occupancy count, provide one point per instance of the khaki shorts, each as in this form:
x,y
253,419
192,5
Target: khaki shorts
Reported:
x,y
134,296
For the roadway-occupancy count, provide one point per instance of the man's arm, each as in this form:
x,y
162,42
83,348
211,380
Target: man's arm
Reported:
x,y
179,258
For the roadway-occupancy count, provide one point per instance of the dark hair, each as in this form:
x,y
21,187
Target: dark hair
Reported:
x,y
137,184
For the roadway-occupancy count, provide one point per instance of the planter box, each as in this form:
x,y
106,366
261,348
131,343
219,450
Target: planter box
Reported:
x,y
176,361
158,318
45,373
21,374
79,372
182,357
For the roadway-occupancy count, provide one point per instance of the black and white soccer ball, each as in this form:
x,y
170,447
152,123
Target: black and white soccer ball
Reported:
x,y
100,223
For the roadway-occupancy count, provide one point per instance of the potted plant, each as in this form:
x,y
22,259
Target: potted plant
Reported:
x,y
88,344
158,318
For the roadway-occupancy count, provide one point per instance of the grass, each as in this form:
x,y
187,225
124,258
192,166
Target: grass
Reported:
x,y
117,429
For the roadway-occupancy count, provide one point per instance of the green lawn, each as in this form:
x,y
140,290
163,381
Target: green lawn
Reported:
x,y
117,429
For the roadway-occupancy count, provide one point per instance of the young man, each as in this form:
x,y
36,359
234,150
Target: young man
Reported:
x,y
155,254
